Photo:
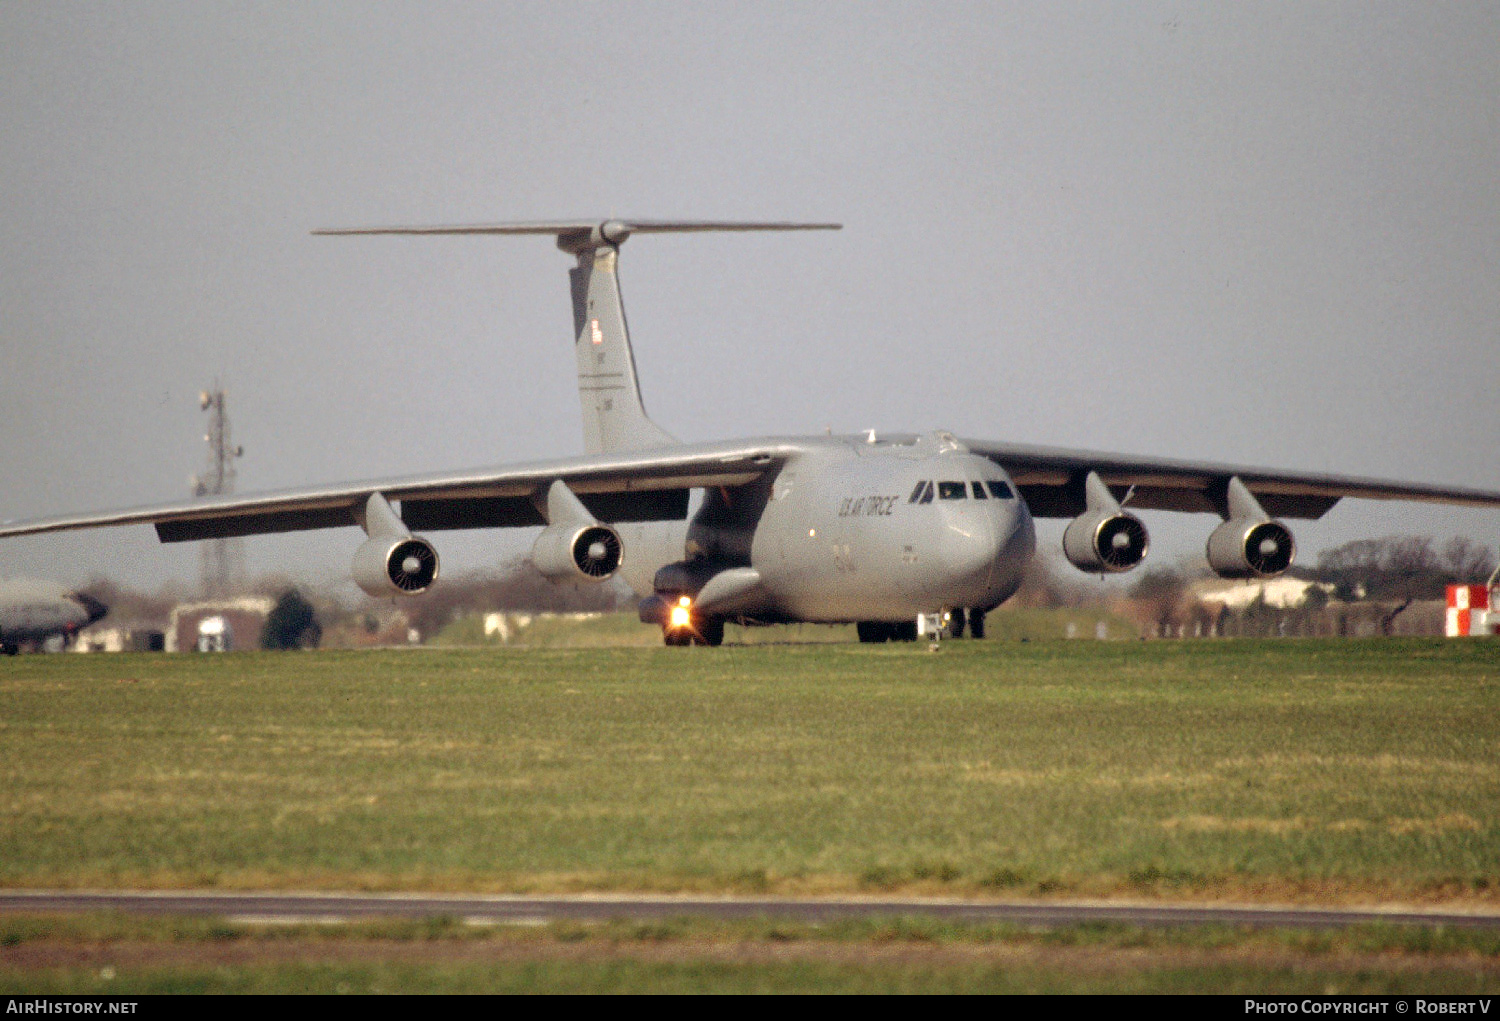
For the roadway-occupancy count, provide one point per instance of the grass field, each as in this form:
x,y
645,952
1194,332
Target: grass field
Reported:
x,y
122,956
1280,770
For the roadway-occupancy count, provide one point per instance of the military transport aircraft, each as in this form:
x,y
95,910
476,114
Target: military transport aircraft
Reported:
x,y
891,532
32,611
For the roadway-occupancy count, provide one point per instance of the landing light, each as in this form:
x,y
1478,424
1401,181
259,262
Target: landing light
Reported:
x,y
680,617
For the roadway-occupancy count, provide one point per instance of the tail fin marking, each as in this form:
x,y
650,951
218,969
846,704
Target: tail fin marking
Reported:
x,y
609,390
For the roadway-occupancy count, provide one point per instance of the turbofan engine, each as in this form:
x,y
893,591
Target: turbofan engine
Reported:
x,y
1103,542
577,552
1250,548
1104,538
1248,544
395,565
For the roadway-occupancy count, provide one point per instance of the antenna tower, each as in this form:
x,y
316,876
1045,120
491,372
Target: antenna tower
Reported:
x,y
223,560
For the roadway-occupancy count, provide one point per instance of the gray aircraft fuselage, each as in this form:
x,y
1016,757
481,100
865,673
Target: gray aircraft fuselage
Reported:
x,y
851,529
32,611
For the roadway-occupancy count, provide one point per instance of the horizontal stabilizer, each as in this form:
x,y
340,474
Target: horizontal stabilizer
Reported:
x,y
583,233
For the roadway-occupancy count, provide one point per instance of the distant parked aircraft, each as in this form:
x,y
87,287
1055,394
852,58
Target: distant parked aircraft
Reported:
x,y
888,531
32,611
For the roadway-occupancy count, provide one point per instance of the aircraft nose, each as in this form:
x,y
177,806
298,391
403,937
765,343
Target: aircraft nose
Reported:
x,y
970,547
1015,542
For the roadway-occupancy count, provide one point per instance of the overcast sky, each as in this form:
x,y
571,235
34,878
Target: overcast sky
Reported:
x,y
1265,234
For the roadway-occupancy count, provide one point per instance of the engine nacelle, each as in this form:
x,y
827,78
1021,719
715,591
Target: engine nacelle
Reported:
x,y
1105,541
395,565
1249,548
577,552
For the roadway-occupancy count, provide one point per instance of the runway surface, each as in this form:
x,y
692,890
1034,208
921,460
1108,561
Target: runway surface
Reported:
x,y
524,910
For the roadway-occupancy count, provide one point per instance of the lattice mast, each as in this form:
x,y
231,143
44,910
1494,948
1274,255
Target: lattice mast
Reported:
x,y
223,560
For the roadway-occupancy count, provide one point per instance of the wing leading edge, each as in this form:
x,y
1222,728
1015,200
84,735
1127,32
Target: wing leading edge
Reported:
x,y
654,485
638,486
1052,479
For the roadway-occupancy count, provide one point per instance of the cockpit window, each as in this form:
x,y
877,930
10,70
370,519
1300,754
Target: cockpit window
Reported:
x,y
926,493
1001,491
952,491
916,494
979,493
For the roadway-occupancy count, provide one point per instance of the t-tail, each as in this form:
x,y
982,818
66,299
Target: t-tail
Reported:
x,y
614,418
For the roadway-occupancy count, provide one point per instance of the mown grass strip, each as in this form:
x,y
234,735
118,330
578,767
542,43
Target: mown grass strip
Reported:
x,y
1286,770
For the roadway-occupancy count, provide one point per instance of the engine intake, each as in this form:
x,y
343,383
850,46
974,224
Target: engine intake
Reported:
x,y
574,552
1101,541
400,565
1249,548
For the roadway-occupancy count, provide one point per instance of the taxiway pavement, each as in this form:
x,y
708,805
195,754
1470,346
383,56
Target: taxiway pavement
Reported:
x,y
497,909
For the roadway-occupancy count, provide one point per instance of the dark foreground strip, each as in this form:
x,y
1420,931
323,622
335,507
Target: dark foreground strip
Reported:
x,y
322,906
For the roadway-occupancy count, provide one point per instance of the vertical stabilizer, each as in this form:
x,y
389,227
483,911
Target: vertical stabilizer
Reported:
x,y
613,416
608,389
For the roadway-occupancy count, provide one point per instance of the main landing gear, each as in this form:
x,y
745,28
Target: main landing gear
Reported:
x,y
973,619
906,631
881,631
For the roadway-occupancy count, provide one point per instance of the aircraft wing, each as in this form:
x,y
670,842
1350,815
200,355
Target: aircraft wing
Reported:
x,y
650,485
1051,480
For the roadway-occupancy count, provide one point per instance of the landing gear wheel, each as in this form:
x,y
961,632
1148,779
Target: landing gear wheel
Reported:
x,y
700,632
976,623
872,631
906,631
956,623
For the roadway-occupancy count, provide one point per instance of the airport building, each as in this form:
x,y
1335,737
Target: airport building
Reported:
x,y
120,638
218,625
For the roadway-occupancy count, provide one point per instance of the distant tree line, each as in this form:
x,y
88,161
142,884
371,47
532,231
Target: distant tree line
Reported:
x,y
1361,587
1402,568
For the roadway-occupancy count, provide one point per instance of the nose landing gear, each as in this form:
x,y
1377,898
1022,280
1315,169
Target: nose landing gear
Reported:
x,y
709,631
706,632
684,627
